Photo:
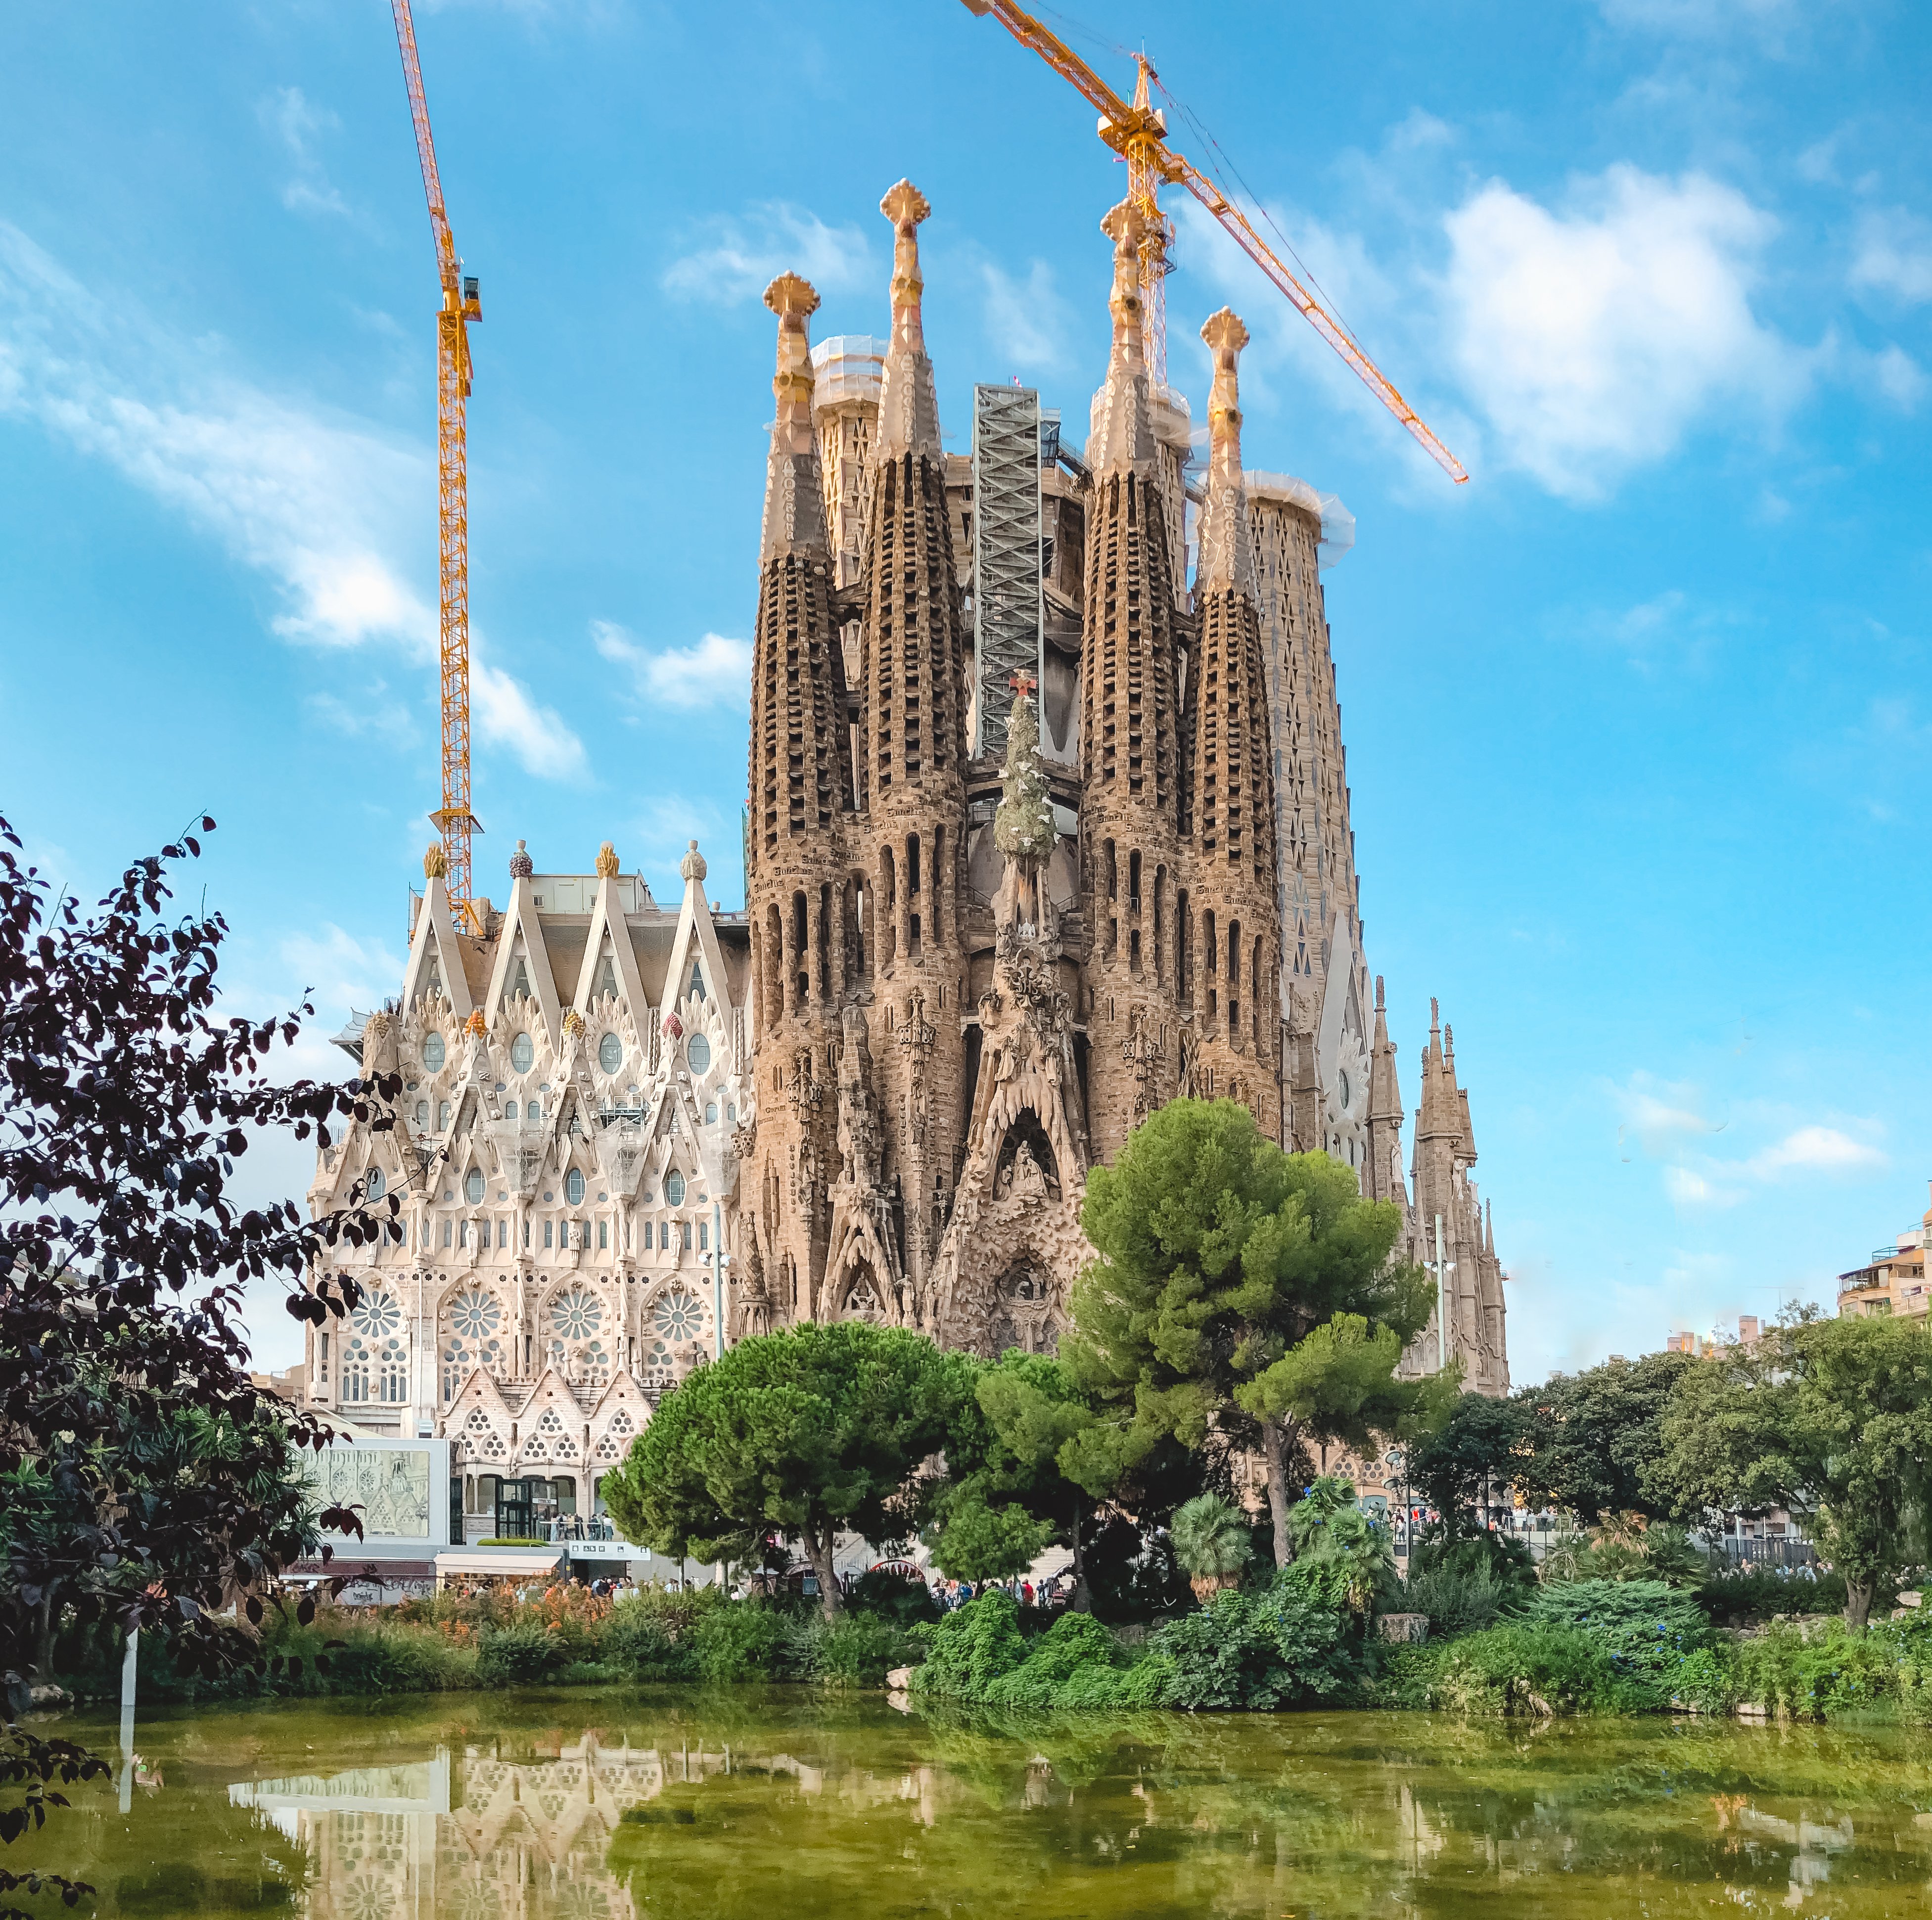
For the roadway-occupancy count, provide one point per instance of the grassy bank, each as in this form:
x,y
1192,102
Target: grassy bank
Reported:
x,y
568,1637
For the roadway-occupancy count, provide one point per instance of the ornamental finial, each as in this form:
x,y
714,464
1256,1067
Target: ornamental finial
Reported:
x,y
692,866
521,865
606,862
436,861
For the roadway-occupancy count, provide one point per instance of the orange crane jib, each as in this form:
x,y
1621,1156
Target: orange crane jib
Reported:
x,y
453,372
1138,133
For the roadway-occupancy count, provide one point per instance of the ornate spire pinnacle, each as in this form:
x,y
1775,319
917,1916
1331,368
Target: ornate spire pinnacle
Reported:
x,y
794,509
436,861
908,401
1227,544
521,865
606,862
1122,434
692,866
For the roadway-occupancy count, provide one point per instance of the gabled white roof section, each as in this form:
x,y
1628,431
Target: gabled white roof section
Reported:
x,y
521,938
435,936
696,938
607,931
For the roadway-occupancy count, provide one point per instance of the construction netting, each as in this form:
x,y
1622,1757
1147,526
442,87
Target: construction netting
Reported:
x,y
848,367
1338,523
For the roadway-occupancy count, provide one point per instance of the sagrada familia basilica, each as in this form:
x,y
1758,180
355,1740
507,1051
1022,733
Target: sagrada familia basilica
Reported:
x,y
1039,835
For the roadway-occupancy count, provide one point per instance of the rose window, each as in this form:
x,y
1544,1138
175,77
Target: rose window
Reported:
x,y
473,1314
678,1316
377,1314
576,1315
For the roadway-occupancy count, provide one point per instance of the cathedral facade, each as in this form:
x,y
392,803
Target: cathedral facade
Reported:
x,y
1047,824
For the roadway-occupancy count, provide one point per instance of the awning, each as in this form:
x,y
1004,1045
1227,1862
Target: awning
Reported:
x,y
501,1563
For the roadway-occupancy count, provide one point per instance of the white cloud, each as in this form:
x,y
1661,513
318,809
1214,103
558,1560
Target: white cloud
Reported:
x,y
733,258
299,123
1594,337
1893,255
714,672
324,505
507,715
1692,1190
1814,1149
1026,320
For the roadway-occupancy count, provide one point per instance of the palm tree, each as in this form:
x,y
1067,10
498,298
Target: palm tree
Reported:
x,y
1213,1542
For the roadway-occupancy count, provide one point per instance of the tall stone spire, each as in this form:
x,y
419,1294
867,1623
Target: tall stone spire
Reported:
x,y
794,506
1121,432
908,400
906,882
1382,1173
1230,811
1143,951
1226,543
795,861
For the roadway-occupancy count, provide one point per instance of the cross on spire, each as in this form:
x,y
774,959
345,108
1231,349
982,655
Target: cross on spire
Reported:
x,y
1022,684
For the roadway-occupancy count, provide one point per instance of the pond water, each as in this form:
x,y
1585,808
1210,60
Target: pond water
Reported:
x,y
747,1806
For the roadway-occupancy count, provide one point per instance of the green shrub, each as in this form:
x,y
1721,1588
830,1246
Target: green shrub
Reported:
x,y
969,1649
1807,1673
859,1649
1459,1597
520,1656
1343,1558
637,1643
1278,1647
1737,1599
1524,1668
1075,1643
1647,1627
1406,1674
744,1641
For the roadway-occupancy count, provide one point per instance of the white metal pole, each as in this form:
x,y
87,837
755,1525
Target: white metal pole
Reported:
x,y
717,1280
127,1718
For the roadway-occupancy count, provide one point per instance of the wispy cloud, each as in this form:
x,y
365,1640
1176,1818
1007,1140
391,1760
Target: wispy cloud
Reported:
x,y
1893,255
1594,336
1814,1149
731,258
714,671
1027,320
1767,21
324,504
508,716
1670,1121
300,124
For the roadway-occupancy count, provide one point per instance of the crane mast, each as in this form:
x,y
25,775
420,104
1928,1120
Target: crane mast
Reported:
x,y
1137,130
460,305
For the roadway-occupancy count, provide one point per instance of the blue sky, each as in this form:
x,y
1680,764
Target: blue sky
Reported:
x,y
1636,722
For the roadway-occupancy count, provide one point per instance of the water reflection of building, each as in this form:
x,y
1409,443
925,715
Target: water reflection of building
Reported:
x,y
472,1834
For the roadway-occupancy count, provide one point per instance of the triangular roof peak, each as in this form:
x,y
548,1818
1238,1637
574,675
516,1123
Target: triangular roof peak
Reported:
x,y
520,938
434,944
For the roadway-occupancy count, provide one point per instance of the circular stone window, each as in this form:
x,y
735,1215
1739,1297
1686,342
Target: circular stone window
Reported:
x,y
576,1315
473,1314
678,1316
434,1052
610,1053
472,1185
573,1188
673,1189
523,1055
698,1052
376,1314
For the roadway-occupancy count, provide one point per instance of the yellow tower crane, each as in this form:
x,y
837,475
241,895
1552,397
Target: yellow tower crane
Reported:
x,y
1137,130
460,305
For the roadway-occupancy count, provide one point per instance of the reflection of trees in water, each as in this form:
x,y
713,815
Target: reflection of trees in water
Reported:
x,y
745,1807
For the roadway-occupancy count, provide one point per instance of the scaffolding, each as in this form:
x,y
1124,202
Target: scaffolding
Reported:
x,y
1007,428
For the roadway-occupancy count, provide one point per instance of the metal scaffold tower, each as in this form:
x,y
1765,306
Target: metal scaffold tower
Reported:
x,y
1007,614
